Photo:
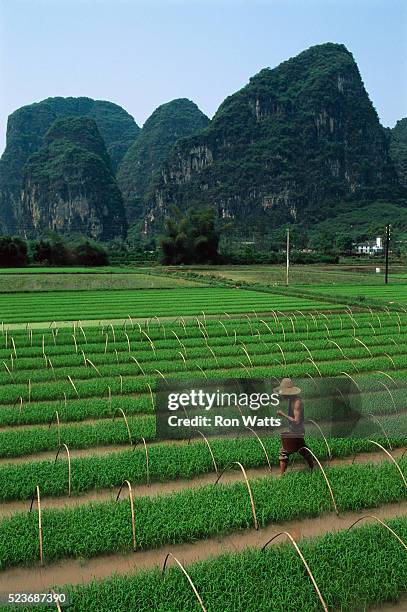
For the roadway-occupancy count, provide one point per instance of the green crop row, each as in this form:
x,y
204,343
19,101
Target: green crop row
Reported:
x,y
100,528
353,569
21,441
123,362
215,367
167,461
378,401
143,303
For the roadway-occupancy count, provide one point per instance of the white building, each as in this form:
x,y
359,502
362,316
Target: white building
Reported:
x,y
370,247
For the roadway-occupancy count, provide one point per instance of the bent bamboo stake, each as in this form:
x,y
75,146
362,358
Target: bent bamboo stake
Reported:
x,y
151,395
93,366
147,461
187,576
352,379
141,369
376,518
262,445
315,365
294,543
325,476
389,377
392,459
372,416
323,435
73,385
58,426
56,600
37,491
390,393
210,450
133,527
256,525
69,466
125,420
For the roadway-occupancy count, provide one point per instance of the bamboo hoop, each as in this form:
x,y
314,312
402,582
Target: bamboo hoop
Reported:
x,y
187,576
125,420
390,393
133,527
69,466
310,574
147,460
323,435
388,376
56,600
315,365
325,476
210,450
58,425
364,345
352,379
93,366
376,420
151,395
141,369
262,445
256,525
376,518
37,492
128,342
392,459
73,385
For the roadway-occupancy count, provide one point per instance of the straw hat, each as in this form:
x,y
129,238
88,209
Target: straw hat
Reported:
x,y
286,387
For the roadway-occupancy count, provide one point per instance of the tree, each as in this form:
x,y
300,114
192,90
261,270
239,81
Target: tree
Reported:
x,y
88,253
190,238
13,252
51,251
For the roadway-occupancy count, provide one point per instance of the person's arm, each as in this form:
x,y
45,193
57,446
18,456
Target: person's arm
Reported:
x,y
297,413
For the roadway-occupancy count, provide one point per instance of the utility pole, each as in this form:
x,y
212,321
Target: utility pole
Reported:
x,y
386,276
288,255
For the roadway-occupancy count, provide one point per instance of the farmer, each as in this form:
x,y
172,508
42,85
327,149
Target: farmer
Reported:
x,y
293,439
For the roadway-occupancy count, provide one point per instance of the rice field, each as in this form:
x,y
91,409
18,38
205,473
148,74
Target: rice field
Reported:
x,y
102,305
388,294
122,519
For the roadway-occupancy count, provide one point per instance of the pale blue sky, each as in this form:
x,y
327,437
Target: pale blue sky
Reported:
x,y
141,53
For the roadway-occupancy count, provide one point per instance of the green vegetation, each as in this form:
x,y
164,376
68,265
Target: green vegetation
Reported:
x,y
85,279
168,123
26,129
194,513
167,461
351,569
388,294
306,123
13,252
191,238
20,307
72,167
398,149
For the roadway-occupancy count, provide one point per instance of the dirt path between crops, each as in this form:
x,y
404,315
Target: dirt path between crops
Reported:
x,y
400,606
172,486
75,571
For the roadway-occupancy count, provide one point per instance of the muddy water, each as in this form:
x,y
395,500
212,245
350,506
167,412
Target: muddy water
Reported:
x,y
75,571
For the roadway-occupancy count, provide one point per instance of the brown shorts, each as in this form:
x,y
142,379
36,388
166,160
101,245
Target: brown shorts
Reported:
x,y
296,445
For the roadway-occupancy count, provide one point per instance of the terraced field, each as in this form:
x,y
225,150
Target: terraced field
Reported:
x,y
89,393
